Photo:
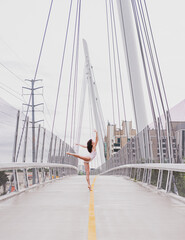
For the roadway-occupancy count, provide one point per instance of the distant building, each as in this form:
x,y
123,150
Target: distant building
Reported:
x,y
178,143
117,137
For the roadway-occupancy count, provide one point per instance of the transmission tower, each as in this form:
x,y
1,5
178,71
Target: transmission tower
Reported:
x,y
33,108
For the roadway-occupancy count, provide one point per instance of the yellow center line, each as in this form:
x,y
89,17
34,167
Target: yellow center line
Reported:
x,y
92,224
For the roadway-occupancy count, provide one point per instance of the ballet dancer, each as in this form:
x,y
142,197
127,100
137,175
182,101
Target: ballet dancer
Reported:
x,y
91,147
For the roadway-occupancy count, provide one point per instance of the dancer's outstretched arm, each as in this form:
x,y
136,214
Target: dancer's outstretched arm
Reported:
x,y
96,141
87,159
81,145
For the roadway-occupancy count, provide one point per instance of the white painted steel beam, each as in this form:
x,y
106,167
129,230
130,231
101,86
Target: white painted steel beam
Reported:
x,y
96,106
132,60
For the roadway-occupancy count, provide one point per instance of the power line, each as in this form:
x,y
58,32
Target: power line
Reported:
x,y
35,75
10,88
10,71
11,94
16,55
7,114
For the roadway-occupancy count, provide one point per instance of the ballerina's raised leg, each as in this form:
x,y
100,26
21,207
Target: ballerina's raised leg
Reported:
x,y
87,159
86,164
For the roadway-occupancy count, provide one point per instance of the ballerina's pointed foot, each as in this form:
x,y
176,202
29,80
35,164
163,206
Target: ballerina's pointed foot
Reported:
x,y
90,189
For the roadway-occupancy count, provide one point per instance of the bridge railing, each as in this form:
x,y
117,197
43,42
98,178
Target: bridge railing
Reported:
x,y
19,171
18,177
164,176
152,157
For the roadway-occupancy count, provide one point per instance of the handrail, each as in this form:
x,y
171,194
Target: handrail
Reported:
x,y
53,168
177,167
11,166
135,171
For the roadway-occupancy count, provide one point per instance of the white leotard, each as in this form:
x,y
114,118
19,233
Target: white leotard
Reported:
x,y
92,155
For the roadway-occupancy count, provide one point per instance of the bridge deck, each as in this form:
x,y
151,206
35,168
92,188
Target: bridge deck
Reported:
x,y
123,210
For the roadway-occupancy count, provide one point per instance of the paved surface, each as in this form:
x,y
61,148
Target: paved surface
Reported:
x,y
55,211
123,210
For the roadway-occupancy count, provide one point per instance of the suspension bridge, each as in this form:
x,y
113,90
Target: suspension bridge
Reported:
x,y
138,189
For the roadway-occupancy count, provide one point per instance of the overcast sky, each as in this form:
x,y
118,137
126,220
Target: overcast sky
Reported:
x,y
21,29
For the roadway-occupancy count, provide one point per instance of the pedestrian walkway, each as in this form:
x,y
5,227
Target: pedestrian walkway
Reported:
x,y
62,210
125,210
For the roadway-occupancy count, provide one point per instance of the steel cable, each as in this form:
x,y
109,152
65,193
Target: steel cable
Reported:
x,y
123,101
128,64
72,61
150,52
110,65
75,80
157,59
115,69
61,68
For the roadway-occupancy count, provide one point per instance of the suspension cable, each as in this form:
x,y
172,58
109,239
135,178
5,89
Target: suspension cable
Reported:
x,y
115,69
75,80
129,69
61,68
160,72
72,60
150,52
121,83
140,36
154,69
155,72
157,59
153,65
110,65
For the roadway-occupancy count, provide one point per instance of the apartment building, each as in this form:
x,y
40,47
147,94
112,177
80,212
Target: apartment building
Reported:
x,y
117,137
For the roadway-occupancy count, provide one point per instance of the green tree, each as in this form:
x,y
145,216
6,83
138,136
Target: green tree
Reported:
x,y
3,180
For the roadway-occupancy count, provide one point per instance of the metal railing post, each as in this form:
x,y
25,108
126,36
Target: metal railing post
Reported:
x,y
26,184
16,138
169,139
169,181
59,150
159,141
25,173
43,174
25,140
16,184
50,149
37,146
36,155
43,144
50,173
54,151
159,180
